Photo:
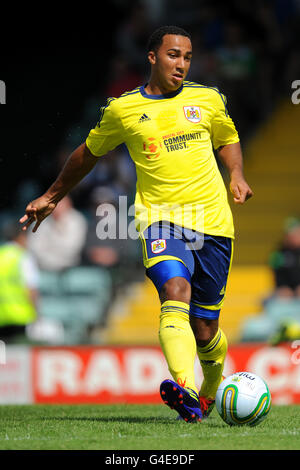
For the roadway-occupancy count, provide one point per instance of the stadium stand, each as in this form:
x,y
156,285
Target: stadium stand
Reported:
x,y
272,167
77,299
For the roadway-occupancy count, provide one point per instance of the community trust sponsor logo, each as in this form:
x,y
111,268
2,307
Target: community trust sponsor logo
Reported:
x,y
180,140
175,141
122,221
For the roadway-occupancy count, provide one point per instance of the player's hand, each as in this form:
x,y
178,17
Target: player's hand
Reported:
x,y
36,211
241,190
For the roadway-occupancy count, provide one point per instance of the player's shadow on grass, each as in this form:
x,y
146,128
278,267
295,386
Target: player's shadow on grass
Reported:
x,y
131,419
108,419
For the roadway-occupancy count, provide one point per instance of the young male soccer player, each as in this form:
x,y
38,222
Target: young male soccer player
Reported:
x,y
169,126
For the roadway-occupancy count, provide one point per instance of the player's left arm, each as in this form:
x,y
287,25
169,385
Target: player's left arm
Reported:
x,y
232,158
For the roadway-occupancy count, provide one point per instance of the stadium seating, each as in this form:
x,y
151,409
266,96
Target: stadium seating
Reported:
x,y
76,298
275,313
272,168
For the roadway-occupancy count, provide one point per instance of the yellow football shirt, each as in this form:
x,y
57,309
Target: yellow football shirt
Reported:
x,y
170,138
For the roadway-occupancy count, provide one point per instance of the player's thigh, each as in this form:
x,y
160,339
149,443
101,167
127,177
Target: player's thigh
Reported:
x,y
168,264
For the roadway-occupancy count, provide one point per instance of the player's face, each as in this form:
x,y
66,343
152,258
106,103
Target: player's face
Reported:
x,y
171,63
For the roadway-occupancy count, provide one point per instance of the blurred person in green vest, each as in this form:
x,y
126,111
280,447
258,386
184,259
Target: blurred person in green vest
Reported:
x,y
285,263
19,277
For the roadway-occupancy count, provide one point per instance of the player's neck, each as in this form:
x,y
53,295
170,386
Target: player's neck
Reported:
x,y
154,87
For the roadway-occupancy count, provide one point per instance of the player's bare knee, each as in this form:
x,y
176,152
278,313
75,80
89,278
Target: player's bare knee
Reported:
x,y
176,288
204,330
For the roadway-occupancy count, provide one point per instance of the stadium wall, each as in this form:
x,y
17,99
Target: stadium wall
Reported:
x,y
89,374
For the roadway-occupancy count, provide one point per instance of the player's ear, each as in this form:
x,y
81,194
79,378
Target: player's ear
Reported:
x,y
152,57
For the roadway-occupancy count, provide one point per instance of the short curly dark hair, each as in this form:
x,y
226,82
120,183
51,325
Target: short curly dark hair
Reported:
x,y
156,38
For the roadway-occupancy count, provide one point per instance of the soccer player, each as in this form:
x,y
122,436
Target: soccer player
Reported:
x,y
170,127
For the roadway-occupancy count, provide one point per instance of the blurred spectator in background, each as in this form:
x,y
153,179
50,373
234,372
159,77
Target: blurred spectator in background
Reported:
x,y
280,319
103,246
59,242
122,77
115,170
204,66
133,34
285,263
19,278
104,252
236,69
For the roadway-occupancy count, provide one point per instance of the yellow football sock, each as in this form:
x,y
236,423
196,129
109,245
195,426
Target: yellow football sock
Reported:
x,y
178,342
212,357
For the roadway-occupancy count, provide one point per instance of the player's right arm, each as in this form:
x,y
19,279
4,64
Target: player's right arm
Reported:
x,y
226,140
107,135
78,165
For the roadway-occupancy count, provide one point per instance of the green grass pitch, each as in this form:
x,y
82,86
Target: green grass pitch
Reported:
x,y
139,427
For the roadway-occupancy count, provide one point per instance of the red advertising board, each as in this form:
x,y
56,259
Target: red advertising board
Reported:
x,y
97,375
15,376
133,374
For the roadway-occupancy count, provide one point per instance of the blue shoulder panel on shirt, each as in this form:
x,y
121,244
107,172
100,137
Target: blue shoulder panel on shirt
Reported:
x,y
187,84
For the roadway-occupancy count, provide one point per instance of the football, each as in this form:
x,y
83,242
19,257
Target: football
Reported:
x,y
243,398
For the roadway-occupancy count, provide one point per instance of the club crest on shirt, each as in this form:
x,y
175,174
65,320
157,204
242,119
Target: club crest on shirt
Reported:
x,y
158,246
192,113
